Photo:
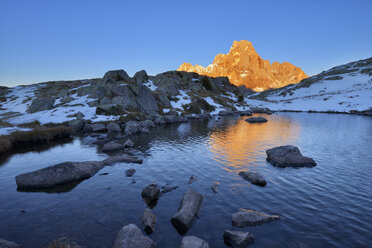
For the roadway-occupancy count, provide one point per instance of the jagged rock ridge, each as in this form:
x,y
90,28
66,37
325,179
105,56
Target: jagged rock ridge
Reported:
x,y
243,66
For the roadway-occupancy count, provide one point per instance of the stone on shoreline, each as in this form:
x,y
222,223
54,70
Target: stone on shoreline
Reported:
x,y
188,211
193,179
112,146
253,177
193,242
237,239
130,236
246,217
113,127
148,221
256,120
288,156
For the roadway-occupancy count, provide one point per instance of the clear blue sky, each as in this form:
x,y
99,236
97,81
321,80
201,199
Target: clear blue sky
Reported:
x,y
71,39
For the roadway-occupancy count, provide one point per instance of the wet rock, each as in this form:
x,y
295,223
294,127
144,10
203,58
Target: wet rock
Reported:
x,y
150,194
130,172
104,174
256,120
246,113
129,143
237,239
193,179
288,156
214,187
131,127
112,146
130,236
116,75
188,211
8,244
167,188
253,177
67,172
246,217
98,127
113,127
193,242
40,104
148,221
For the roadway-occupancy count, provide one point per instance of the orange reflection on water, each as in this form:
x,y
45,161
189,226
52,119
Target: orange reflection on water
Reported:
x,y
242,144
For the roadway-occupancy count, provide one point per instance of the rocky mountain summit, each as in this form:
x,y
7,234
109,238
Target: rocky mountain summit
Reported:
x,y
243,66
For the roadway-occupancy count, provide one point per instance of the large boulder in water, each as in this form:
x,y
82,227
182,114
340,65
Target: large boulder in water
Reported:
x,y
150,194
288,156
237,239
116,75
193,242
148,221
246,217
130,236
253,177
188,211
40,104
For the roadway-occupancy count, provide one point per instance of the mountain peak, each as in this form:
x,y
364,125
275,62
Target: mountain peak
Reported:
x,y
243,66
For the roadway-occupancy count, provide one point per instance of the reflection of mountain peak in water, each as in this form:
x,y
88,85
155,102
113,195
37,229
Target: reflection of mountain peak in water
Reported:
x,y
240,145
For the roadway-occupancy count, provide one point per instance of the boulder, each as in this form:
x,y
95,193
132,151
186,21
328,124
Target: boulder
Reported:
x,y
130,236
130,172
128,143
147,124
40,104
112,146
66,172
188,211
253,177
146,101
246,217
131,127
214,187
77,124
67,99
116,75
193,242
8,244
150,194
141,77
148,221
256,120
113,127
98,127
237,239
110,109
288,156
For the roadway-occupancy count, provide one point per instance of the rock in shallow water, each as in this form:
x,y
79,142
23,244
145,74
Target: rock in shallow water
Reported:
x,y
148,221
130,236
256,120
193,242
193,179
237,239
246,217
214,187
288,156
188,211
110,147
130,172
151,194
253,177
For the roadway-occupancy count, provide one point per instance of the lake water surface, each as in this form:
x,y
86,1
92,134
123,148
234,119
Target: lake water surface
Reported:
x,y
329,205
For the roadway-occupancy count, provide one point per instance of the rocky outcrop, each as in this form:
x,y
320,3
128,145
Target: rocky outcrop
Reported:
x,y
130,236
148,221
244,67
288,156
116,75
8,244
40,104
245,217
188,211
140,77
193,242
256,120
65,173
237,239
253,177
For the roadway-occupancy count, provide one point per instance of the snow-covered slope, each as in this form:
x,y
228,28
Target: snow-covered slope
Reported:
x,y
346,88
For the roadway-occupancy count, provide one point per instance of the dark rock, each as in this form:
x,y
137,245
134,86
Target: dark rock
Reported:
x,y
116,75
148,221
246,217
193,179
131,127
246,113
288,156
141,77
113,127
77,124
8,244
253,177
256,120
151,195
146,100
128,143
110,147
214,187
188,211
110,109
144,130
147,124
40,104
104,174
193,242
122,159
130,172
237,239
167,188
98,127
130,236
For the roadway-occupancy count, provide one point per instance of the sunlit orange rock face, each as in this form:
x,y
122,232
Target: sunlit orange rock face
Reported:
x,y
243,66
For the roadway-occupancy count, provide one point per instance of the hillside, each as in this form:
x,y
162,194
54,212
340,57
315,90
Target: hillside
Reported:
x,y
345,88
243,66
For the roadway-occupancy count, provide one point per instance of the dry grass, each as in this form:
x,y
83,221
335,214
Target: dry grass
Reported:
x,y
35,138
63,243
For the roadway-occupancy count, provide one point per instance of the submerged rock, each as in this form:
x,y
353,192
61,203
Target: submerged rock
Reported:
x,y
193,179
288,156
246,217
167,188
130,172
8,244
148,221
188,211
130,236
253,177
150,194
193,242
256,120
110,147
214,187
237,239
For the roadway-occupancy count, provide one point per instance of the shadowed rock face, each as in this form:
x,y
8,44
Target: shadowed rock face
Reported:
x,y
288,156
244,67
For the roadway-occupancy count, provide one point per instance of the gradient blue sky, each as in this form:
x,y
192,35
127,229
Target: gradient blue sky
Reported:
x,y
70,39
